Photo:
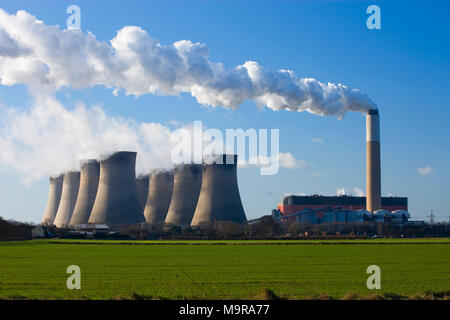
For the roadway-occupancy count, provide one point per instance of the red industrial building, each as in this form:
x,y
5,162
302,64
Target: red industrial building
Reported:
x,y
294,204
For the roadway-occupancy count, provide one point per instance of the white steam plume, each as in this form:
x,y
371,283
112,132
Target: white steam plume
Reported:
x,y
45,57
49,139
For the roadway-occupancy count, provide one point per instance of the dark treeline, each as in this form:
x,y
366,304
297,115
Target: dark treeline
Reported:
x,y
265,228
12,230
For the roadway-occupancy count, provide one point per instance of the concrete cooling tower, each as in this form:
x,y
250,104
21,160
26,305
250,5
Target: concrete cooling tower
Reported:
x,y
186,189
90,173
219,198
117,200
159,196
54,196
142,190
373,167
71,184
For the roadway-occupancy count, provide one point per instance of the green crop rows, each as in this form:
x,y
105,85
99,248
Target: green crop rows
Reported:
x,y
37,269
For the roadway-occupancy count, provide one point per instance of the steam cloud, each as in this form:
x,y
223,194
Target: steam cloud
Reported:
x,y
48,139
43,56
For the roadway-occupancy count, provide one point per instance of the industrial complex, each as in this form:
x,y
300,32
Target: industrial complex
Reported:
x,y
107,192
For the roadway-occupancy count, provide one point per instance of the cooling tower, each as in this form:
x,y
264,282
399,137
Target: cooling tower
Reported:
x,y
117,200
373,173
54,196
186,189
71,184
90,172
159,196
142,190
219,198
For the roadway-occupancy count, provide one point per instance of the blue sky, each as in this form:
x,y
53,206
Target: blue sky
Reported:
x,y
404,68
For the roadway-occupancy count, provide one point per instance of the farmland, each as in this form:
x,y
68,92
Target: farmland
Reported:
x,y
222,269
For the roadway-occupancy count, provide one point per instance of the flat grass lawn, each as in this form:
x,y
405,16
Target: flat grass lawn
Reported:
x,y
37,269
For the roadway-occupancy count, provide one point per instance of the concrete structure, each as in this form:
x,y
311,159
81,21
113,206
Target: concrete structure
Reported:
x,y
219,198
159,196
90,173
71,184
142,183
117,200
380,215
186,189
294,204
54,196
373,173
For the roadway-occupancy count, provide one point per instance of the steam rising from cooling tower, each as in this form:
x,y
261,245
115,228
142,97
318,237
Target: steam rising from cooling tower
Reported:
x,y
373,173
183,66
219,198
117,200
186,189
137,64
159,196
142,189
90,173
54,196
71,184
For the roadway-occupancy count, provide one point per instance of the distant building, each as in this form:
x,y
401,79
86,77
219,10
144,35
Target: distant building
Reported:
x,y
92,228
292,204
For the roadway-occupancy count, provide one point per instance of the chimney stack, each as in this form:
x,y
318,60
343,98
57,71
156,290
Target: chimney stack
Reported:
x,y
90,172
117,200
71,184
219,198
373,173
159,196
186,189
54,196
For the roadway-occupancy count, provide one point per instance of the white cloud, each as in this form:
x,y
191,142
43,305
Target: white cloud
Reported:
x,y
286,160
425,171
48,139
317,140
45,57
356,191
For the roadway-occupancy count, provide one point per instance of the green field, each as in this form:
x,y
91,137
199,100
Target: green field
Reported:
x,y
223,269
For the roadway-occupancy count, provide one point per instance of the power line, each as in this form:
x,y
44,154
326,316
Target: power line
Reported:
x,y
431,217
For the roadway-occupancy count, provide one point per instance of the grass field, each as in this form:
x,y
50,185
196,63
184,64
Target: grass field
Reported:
x,y
222,269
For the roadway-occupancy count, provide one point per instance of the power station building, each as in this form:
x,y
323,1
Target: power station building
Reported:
x,y
117,200
71,184
186,190
159,196
219,198
54,196
90,174
292,204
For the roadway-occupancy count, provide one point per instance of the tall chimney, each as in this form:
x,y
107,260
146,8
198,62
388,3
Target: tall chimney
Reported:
x,y
71,184
219,198
54,196
159,196
117,200
90,172
373,170
186,189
